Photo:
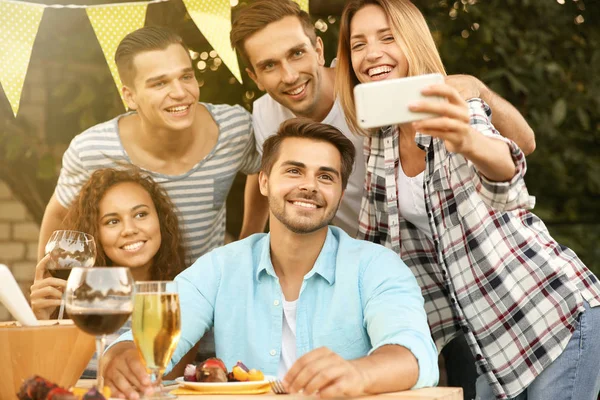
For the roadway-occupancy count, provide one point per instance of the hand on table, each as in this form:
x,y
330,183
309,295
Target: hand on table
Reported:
x,y
46,291
325,372
125,372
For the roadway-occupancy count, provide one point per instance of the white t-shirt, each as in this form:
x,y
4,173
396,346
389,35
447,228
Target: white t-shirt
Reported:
x,y
268,114
411,201
288,338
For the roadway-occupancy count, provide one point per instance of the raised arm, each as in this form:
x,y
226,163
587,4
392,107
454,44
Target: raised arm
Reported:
x,y
507,119
256,208
53,219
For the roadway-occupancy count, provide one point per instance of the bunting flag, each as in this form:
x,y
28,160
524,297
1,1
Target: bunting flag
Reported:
x,y
19,23
213,19
111,24
303,4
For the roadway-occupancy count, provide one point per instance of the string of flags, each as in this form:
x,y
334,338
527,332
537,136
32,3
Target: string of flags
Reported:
x,y
20,21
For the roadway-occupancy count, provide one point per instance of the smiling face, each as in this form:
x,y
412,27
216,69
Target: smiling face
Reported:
x,y
374,52
287,66
129,229
304,186
164,90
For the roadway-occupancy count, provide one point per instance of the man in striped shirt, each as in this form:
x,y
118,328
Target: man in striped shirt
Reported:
x,y
194,150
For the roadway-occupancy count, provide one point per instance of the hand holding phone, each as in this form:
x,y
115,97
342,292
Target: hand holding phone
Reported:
x,y
386,102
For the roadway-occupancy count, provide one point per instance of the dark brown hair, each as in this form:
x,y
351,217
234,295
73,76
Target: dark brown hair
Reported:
x,y
305,128
258,14
84,216
148,38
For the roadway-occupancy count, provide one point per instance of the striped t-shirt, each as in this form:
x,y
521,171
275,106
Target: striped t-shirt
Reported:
x,y
199,194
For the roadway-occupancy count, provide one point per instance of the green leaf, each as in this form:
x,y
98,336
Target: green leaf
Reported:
x,y
584,118
516,84
559,112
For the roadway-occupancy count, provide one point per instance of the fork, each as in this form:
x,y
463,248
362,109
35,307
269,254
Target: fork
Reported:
x,y
277,387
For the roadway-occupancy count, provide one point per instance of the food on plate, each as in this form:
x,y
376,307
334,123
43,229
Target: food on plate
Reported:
x,y
211,370
214,370
38,388
240,372
189,374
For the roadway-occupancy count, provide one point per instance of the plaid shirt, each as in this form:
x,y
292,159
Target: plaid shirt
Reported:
x,y
492,270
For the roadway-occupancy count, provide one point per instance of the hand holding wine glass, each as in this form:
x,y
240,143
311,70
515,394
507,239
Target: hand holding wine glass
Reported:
x,y
46,292
156,328
99,300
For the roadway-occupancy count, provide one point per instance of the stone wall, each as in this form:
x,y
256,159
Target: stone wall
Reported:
x,y
18,242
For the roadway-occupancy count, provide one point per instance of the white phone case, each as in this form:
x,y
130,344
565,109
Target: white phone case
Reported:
x,y
386,102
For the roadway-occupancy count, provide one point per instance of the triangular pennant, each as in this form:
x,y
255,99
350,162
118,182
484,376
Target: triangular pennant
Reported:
x,y
19,25
213,19
303,4
111,24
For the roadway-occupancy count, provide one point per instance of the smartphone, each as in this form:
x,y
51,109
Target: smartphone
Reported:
x,y
386,102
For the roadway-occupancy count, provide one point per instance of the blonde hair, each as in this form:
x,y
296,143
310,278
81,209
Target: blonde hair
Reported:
x,y
410,32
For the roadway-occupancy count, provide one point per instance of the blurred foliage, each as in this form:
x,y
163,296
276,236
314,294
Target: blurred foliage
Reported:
x,y
540,55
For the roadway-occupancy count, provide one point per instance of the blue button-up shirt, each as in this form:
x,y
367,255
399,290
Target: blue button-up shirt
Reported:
x,y
358,297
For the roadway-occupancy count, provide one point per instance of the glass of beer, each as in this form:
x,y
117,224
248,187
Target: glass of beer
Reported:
x,y
99,301
67,250
156,327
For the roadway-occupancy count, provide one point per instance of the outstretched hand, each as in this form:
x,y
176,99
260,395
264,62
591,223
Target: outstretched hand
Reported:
x,y
452,121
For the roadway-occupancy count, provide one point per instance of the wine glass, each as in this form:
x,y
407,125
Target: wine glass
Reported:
x,y
99,301
156,328
69,249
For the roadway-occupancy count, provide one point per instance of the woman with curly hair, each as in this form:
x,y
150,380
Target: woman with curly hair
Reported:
x,y
134,224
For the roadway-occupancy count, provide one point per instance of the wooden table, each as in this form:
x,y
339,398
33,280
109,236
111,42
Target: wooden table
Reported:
x,y
437,393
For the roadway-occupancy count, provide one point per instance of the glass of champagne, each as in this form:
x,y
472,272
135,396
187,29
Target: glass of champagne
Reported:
x,y
99,301
156,328
69,249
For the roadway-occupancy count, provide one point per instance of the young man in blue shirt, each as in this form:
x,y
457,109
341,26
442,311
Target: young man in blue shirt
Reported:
x,y
324,312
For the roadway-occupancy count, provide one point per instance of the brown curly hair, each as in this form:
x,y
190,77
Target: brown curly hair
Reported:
x,y
84,215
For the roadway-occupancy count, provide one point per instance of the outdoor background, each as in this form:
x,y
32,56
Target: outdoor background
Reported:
x,y
541,55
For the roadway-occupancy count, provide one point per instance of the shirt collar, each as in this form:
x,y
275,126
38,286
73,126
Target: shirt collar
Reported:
x,y
324,265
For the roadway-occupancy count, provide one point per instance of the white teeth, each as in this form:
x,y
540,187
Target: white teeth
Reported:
x,y
303,204
379,70
297,91
133,246
177,109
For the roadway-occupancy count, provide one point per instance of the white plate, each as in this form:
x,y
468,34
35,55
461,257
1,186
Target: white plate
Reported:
x,y
250,387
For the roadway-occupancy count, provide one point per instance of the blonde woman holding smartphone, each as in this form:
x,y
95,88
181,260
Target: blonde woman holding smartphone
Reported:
x,y
448,195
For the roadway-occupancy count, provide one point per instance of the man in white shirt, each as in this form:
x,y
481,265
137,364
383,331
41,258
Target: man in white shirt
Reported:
x,y
284,56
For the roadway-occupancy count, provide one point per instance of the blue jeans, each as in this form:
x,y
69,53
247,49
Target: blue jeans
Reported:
x,y
575,374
